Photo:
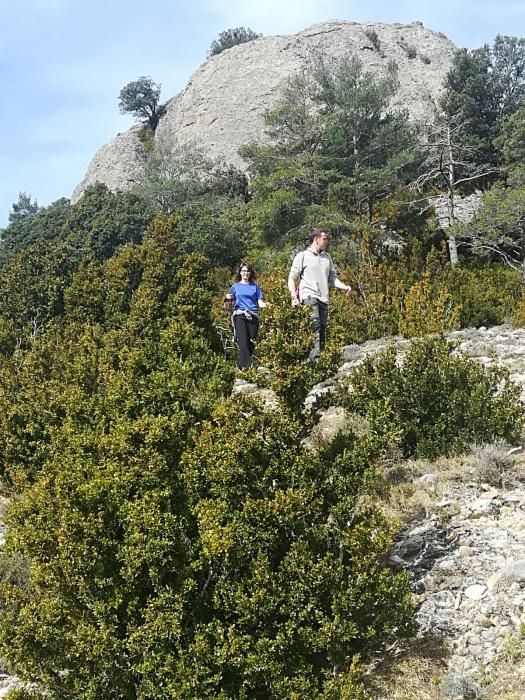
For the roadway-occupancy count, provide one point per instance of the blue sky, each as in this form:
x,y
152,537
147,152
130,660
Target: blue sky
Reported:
x,y
63,63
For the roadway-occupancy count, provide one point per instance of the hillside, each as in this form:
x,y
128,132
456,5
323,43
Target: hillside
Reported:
x,y
461,540
358,533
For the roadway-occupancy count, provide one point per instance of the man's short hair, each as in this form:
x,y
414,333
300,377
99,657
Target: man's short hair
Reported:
x,y
316,232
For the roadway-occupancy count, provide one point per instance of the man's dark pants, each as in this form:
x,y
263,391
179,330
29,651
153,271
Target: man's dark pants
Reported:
x,y
319,321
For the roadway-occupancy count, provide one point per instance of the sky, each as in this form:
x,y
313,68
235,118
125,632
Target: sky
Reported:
x,y
64,62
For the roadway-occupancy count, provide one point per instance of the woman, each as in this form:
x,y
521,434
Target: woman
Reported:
x,y
247,298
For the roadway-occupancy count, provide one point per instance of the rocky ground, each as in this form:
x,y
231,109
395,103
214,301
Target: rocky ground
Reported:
x,y
466,558
466,551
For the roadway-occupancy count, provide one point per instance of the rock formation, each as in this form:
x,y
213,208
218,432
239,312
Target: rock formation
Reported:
x,y
465,208
119,164
223,104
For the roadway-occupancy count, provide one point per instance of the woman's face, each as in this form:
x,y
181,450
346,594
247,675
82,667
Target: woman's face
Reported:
x,y
245,274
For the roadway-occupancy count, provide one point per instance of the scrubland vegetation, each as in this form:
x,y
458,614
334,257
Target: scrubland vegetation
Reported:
x,y
166,540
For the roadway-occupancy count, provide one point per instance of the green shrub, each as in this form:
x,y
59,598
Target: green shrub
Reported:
x,y
487,296
14,569
234,563
371,34
232,37
166,542
439,399
285,341
427,311
518,318
138,308
283,541
20,693
7,336
200,230
412,294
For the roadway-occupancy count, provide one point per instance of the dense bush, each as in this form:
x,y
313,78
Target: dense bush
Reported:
x,y
174,555
199,229
285,340
39,265
166,541
32,224
487,296
232,37
426,310
113,311
102,221
241,567
438,400
518,318
412,293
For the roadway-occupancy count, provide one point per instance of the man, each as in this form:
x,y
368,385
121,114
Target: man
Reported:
x,y
315,273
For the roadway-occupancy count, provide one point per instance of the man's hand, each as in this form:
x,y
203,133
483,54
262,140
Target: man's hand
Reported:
x,y
295,301
346,288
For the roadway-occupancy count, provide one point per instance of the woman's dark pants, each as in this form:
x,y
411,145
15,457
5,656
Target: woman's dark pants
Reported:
x,y
246,330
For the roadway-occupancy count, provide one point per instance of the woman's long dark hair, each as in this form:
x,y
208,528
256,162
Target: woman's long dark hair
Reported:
x,y
252,276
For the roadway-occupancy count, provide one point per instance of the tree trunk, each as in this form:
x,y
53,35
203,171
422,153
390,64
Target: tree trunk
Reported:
x,y
453,250
452,245
522,229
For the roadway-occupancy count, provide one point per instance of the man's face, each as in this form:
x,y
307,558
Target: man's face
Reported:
x,y
323,241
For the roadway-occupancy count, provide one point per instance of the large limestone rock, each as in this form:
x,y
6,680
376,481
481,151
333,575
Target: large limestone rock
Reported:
x,y
223,104
465,208
119,164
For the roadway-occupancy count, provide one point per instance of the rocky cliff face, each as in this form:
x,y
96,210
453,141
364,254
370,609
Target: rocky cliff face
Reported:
x,y
223,105
119,164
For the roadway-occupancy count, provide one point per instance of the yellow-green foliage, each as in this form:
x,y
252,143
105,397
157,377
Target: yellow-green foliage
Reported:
x,y
167,541
487,295
414,294
375,311
146,136
176,558
426,310
518,319
285,340
437,398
